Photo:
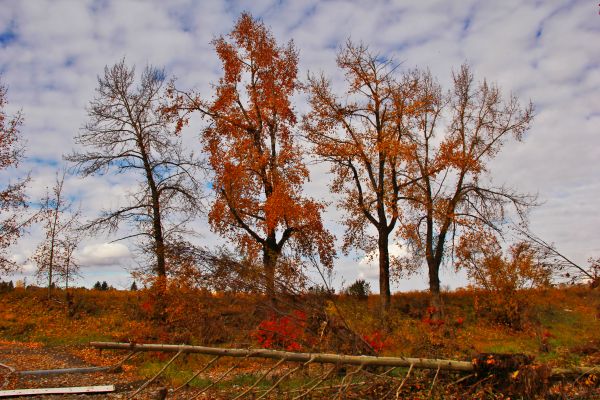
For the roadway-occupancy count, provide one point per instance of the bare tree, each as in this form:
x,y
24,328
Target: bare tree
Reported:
x,y
128,132
13,201
71,266
54,255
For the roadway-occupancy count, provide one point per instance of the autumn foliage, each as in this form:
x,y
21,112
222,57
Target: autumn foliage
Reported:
x,y
503,276
410,164
258,168
287,332
358,134
454,137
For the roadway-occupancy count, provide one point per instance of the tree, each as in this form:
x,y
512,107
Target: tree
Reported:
x,y
133,287
360,289
502,276
54,255
359,135
127,132
70,268
258,170
104,286
452,196
13,201
97,285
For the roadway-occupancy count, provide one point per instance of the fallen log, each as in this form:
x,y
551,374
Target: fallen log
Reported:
x,y
63,390
60,371
323,358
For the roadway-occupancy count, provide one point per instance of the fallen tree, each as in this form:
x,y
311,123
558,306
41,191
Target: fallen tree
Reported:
x,y
325,358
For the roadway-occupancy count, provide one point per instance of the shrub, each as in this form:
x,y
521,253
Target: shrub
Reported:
x,y
502,276
287,332
360,289
377,341
6,286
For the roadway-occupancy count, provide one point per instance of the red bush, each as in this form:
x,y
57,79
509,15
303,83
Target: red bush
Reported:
x,y
430,320
287,332
377,341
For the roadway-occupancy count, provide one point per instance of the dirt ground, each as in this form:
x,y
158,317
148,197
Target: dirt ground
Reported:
x,y
33,356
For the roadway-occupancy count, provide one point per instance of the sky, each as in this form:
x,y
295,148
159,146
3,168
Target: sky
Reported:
x,y
547,52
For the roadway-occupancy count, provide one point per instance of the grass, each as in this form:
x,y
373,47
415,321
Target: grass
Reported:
x,y
177,375
569,315
569,318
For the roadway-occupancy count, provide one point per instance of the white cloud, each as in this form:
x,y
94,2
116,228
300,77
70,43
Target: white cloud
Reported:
x,y
28,268
543,51
103,254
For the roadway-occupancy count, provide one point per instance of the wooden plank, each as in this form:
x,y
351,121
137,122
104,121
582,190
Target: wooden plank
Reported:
x,y
59,390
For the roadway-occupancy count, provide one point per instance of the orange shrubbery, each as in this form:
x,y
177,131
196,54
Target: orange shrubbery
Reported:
x,y
502,276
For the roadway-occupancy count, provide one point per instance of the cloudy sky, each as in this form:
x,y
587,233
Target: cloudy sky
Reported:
x,y
544,51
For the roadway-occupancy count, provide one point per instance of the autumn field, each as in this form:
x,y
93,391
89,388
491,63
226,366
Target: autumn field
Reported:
x,y
296,171
558,327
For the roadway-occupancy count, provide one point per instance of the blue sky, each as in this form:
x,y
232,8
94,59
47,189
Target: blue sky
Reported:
x,y
544,51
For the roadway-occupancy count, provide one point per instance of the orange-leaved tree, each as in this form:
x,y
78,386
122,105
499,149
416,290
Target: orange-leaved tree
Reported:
x,y
455,193
258,166
359,136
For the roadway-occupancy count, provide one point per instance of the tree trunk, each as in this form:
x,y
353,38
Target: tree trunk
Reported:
x,y
159,243
161,269
160,282
434,287
384,271
270,258
52,242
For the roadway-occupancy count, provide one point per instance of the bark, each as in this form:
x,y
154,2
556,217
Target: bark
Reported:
x,y
434,261
62,371
384,271
159,243
271,255
434,288
52,242
321,358
161,270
